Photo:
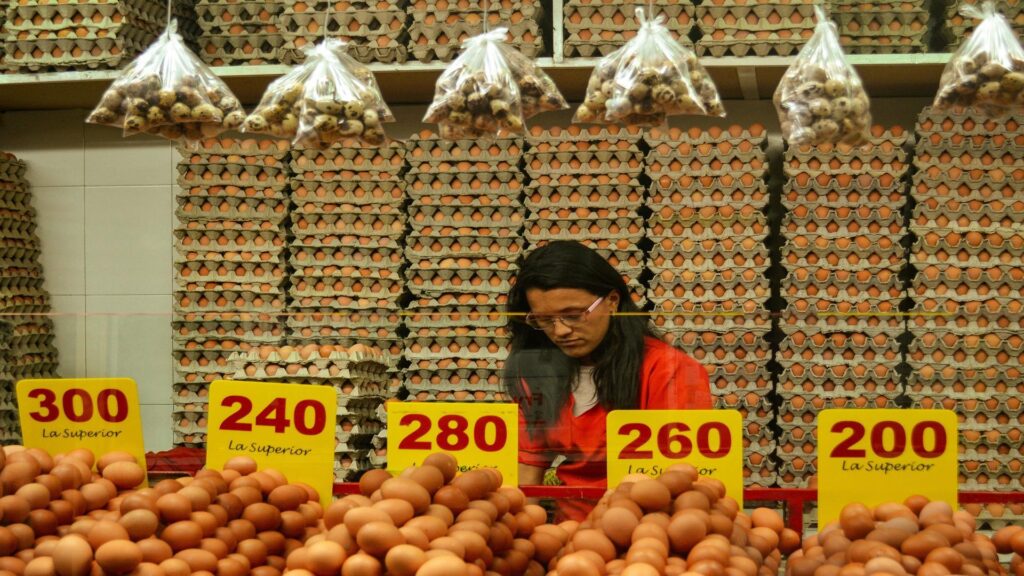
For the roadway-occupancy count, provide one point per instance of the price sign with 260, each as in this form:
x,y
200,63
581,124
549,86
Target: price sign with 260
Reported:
x,y
478,435
872,456
649,441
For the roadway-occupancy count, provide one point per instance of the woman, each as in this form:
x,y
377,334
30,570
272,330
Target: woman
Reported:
x,y
579,350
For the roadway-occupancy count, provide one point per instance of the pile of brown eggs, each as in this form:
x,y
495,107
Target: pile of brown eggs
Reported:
x,y
914,537
1010,540
677,524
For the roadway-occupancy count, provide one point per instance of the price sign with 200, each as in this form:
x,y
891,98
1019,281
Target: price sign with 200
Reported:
x,y
309,417
888,439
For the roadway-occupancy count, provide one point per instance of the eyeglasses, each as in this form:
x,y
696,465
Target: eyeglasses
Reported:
x,y
568,320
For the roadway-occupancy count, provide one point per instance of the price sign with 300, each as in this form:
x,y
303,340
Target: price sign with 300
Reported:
x,y
886,455
477,435
289,427
649,441
101,414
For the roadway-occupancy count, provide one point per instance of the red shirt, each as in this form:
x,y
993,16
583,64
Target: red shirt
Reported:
x,y
669,380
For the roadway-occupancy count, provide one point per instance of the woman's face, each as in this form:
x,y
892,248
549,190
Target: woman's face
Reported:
x,y
576,336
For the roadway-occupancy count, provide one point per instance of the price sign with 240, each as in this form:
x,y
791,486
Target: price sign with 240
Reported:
x,y
477,435
649,441
886,455
101,414
289,427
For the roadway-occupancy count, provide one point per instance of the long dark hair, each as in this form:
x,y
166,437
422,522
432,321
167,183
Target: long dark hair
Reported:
x,y
548,372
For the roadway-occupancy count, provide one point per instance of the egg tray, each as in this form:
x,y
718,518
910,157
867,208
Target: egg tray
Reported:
x,y
994,440
975,178
855,172
1000,140
459,396
502,217
736,199
850,260
355,193
188,248
674,321
961,355
345,303
812,385
190,224
383,336
480,383
366,225
585,144
744,45
889,322
432,317
981,288
448,266
314,253
210,184
730,356
706,294
669,160
622,163
960,384
573,45
744,147
38,53
579,16
231,208
966,305
874,195
1003,222
346,24
456,280
538,231
792,354
358,158
972,324
803,280
672,247
934,208
1009,232
467,170
808,342
851,295
682,226
968,165
428,146
526,37
625,196
266,273
302,287
709,275
431,247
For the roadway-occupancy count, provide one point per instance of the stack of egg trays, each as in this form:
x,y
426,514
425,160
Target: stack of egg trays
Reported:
x,y
437,28
374,30
708,261
229,265
466,217
348,222
756,28
883,27
585,186
968,349
10,425
359,373
42,35
958,27
599,27
24,302
843,254
239,31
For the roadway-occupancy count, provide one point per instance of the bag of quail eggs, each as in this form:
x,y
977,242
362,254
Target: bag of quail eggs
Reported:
x,y
987,72
167,91
329,98
650,78
820,98
490,90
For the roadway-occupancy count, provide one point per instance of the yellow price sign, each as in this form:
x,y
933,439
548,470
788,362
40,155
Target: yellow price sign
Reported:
x,y
649,441
477,435
288,427
873,456
101,414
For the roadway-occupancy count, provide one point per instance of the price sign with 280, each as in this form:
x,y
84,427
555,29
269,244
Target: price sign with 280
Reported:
x,y
289,427
101,414
872,456
477,435
649,441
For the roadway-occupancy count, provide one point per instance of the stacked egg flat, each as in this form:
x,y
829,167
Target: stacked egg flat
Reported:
x,y
43,35
239,31
466,221
24,301
968,325
229,265
346,261
755,28
359,374
585,186
882,27
437,28
843,255
375,30
709,259
599,27
959,27
10,425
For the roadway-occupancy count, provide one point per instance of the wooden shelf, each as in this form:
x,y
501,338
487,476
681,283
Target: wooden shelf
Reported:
x,y
750,78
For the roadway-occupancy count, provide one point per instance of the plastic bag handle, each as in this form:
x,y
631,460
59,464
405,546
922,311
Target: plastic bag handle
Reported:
x,y
979,11
649,20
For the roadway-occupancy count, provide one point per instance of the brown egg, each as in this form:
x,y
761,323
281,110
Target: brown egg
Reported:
x,y
371,481
198,559
155,550
443,566
140,523
253,549
404,560
325,558
124,475
287,497
42,566
430,477
118,556
73,556
596,541
175,567
182,535
263,516
244,465
576,564
376,538
105,531
361,564
408,490
199,498
356,518
231,567
452,498
650,495
618,524
111,457
443,462
174,508
400,510
37,495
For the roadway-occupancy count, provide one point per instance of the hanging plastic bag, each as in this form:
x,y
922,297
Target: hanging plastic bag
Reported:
x,y
650,78
490,90
820,98
329,98
167,91
987,72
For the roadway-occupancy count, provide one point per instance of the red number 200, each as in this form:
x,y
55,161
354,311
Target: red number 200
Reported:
x,y
889,439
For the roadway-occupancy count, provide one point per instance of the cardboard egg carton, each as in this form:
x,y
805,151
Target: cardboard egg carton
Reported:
x,y
454,363
430,283
933,207
711,356
979,347
672,251
356,193
302,286
972,324
423,216
375,33
231,208
849,295
782,43
965,121
390,158
668,318
981,160
241,45
344,302
591,156
580,137
953,282
267,273
368,225
790,352
434,395
732,375
325,256
232,180
667,169
428,314
976,178
959,28
996,214
718,266
481,383
956,143
540,230
598,28
906,40
229,300
420,247
442,38
659,292
427,146
228,245
513,186
586,163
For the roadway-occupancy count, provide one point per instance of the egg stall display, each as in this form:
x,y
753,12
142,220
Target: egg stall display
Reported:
x,y
358,372
913,537
24,300
677,524
958,28
886,27
43,36
466,219
375,31
967,352
709,262
599,28
757,28
843,256
229,266
236,32
584,186
437,28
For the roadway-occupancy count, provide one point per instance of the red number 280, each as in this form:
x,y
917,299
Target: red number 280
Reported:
x,y
453,433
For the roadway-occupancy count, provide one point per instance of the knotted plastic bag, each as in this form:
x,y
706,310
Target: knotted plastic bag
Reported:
x,y
167,91
987,72
820,98
329,98
490,90
647,80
